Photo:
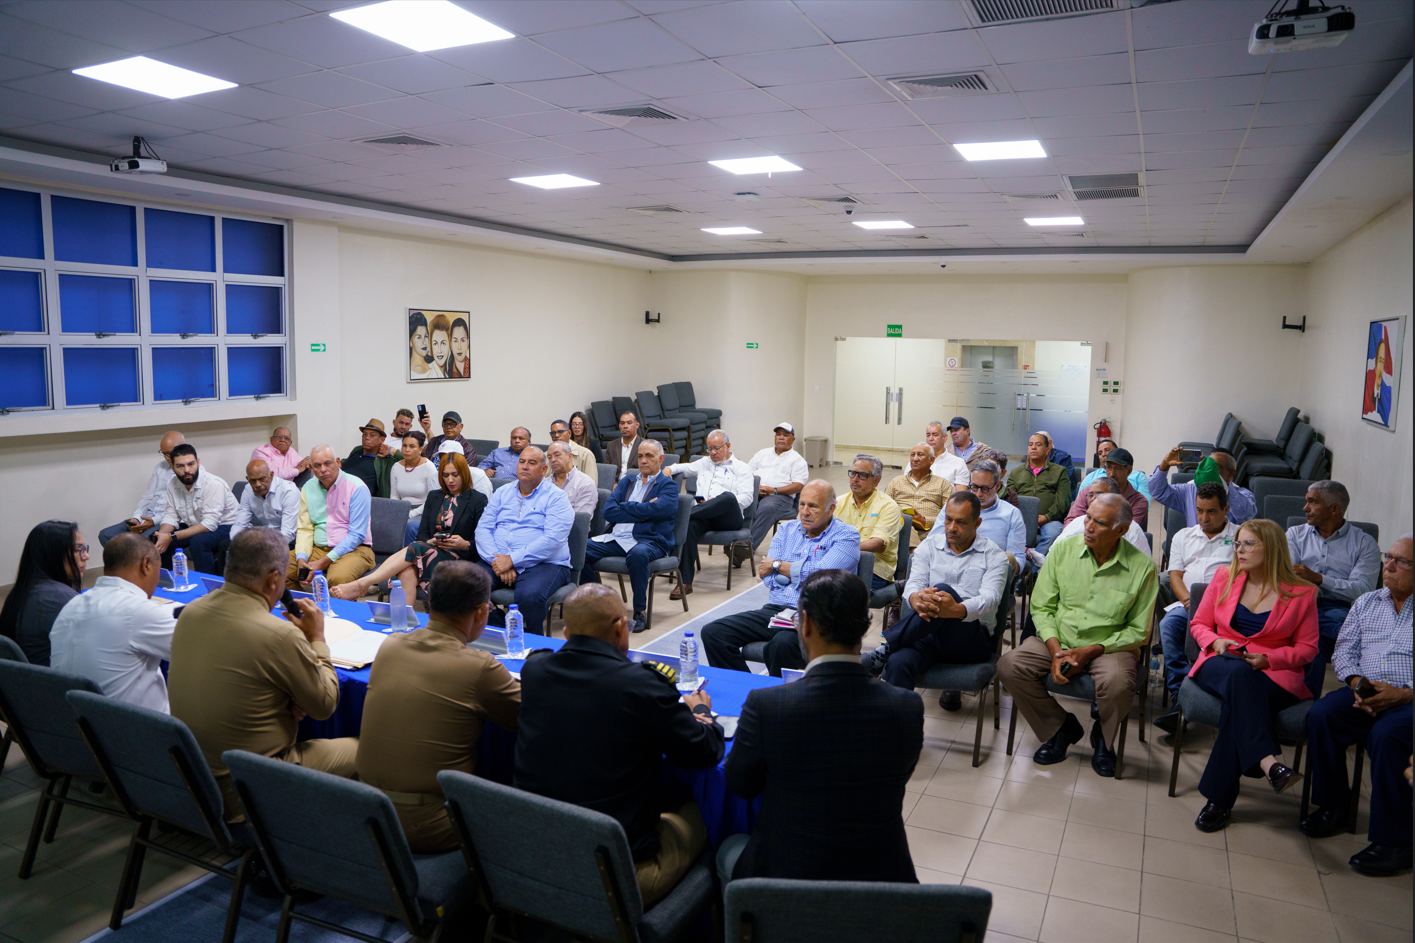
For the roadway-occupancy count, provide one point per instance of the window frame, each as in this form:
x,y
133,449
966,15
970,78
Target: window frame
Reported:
x,y
55,340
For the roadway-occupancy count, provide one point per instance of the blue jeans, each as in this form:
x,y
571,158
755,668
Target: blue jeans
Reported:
x,y
411,533
1330,617
1174,629
1335,723
201,549
533,587
1047,535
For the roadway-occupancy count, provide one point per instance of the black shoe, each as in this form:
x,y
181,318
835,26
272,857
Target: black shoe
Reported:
x,y
951,700
1325,822
1103,759
875,661
1381,861
1054,750
1169,721
1283,777
1212,818
639,624
1095,711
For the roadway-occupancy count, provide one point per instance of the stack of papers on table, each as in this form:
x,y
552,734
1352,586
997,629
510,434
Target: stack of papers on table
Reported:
x,y
785,619
349,645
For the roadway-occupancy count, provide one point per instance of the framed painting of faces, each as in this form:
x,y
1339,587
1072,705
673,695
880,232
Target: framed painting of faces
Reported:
x,y
1380,393
439,345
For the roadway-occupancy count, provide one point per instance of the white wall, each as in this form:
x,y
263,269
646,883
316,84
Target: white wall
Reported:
x,y
1368,276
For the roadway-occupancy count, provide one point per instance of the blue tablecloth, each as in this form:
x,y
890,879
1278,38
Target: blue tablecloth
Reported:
x,y
723,813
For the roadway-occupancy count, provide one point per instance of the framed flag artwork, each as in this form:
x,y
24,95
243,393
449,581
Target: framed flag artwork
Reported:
x,y
1381,385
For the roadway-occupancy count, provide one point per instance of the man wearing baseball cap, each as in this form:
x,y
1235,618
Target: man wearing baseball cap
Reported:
x,y
364,462
1118,466
451,432
968,448
783,472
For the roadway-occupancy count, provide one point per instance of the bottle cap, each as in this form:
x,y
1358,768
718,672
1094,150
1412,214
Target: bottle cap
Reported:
x,y
688,634
514,606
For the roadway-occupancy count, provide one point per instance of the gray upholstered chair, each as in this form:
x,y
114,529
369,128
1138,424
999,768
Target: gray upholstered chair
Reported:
x,y
579,537
342,839
1278,443
1174,522
606,474
484,447
388,527
1228,434
1264,487
1200,707
1285,465
159,775
604,420
498,483
756,651
688,400
564,865
650,406
33,707
676,434
597,525
665,565
1373,529
1282,508
238,488
775,910
728,539
672,406
883,597
9,651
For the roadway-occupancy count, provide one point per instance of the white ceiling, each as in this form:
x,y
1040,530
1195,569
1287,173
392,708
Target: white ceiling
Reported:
x,y
1222,139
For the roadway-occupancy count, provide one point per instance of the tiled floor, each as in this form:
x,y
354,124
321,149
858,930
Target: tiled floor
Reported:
x,y
1068,856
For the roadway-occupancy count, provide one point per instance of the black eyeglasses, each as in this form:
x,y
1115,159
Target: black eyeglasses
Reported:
x,y
1398,561
982,489
81,549
859,474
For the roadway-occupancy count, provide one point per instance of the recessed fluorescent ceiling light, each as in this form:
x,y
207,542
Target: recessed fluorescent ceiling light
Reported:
x,y
423,25
153,77
732,231
882,224
555,181
1053,221
1001,150
755,165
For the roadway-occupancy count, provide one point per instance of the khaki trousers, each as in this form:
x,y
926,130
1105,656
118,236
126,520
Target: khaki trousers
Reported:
x,y
336,756
1024,671
682,836
427,826
346,569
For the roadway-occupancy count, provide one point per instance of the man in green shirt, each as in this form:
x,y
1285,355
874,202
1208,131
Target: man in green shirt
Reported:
x,y
1048,482
1092,604
875,515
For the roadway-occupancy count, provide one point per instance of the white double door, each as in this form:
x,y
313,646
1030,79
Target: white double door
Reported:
x,y
886,391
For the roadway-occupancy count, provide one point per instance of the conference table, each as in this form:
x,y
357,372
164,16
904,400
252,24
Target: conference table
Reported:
x,y
723,813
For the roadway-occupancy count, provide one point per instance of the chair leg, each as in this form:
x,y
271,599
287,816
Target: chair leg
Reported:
x,y
132,873
65,783
1355,789
1306,787
1012,727
287,916
622,595
679,574
1178,744
36,829
1120,747
238,893
727,553
978,737
648,614
5,749
996,704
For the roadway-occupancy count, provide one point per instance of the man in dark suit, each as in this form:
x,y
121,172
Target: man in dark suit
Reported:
x,y
642,510
830,754
623,452
594,729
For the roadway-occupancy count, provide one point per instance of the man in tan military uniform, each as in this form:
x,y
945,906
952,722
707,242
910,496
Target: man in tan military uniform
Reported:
x,y
428,697
241,678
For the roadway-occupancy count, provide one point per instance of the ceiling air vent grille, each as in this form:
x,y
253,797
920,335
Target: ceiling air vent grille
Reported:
x,y
1031,197
633,117
401,140
990,12
662,210
769,242
833,202
943,86
1105,186
1111,193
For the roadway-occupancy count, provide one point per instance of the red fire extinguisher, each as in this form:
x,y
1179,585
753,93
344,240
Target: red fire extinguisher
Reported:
x,y
1102,432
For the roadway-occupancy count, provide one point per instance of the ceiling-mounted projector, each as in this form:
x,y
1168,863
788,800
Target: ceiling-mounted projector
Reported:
x,y
138,164
1307,27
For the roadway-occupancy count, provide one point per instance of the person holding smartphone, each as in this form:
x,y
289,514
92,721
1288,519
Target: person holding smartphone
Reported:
x,y
1257,632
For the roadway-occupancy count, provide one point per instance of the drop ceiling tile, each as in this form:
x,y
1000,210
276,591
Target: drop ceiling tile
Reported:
x,y
972,109
933,171
919,154
878,19
1335,110
1287,156
185,115
1324,134
12,68
548,123
1068,73
586,91
748,26
1337,82
1215,60
1101,99
1114,144
510,60
1098,35
337,125
608,47
1194,141
863,117
1159,25
657,157
51,47
782,122
220,16
529,17
684,78
409,112
1081,126
412,75
1200,93
606,141
1100,164
1178,160
235,61
1181,121
285,160
932,54
1185,175
827,163
225,166
791,67
470,133
338,151
210,145
726,104
788,144
330,89
23,104
892,137
323,41
133,29
75,89
684,132
124,127
265,134
530,149
1374,40
252,103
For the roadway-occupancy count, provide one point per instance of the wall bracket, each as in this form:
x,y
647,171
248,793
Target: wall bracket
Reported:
x,y
654,319
1295,327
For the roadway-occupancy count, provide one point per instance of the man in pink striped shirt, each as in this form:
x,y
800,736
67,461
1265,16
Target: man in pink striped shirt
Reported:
x,y
281,456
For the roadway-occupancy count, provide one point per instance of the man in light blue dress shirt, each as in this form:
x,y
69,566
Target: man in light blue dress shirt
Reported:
x,y
523,538
1001,522
1344,562
267,501
1242,506
815,540
501,463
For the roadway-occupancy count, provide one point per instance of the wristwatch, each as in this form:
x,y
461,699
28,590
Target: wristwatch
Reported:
x,y
776,566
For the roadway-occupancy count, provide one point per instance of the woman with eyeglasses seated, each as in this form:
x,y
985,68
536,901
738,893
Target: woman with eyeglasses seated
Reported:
x,y
1257,631
51,572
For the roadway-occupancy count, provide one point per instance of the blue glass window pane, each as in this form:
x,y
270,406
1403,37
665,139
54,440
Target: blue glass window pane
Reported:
x,y
250,248
89,231
255,371
26,379
180,240
253,309
92,303
95,376
183,373
21,301
181,307
21,225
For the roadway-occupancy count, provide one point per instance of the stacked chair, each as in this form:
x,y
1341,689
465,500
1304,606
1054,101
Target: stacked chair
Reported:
x,y
1285,465
1230,431
673,406
604,424
687,400
692,426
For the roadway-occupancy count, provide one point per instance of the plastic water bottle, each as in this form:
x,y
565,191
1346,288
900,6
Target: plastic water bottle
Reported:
x,y
1156,670
515,632
398,608
179,570
688,663
320,585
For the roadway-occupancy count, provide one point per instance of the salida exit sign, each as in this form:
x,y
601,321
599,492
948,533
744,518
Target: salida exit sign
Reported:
x,y
894,330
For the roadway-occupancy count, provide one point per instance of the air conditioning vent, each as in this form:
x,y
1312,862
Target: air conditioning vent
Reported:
x,y
833,202
768,242
1031,197
943,86
1110,193
401,140
663,210
636,116
1101,181
990,12
1067,235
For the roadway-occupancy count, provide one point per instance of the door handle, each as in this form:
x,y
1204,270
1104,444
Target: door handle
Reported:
x,y
899,413
888,395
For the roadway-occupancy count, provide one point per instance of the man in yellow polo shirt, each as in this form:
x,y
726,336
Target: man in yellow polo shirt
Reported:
x,y
920,491
875,515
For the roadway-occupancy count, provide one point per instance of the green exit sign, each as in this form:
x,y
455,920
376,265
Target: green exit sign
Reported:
x,y
753,346
894,330
317,348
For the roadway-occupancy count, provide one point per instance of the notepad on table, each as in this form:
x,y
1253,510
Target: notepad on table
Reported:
x,y
349,645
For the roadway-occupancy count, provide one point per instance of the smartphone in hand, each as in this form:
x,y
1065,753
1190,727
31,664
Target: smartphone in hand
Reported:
x,y
1366,689
422,410
1190,455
